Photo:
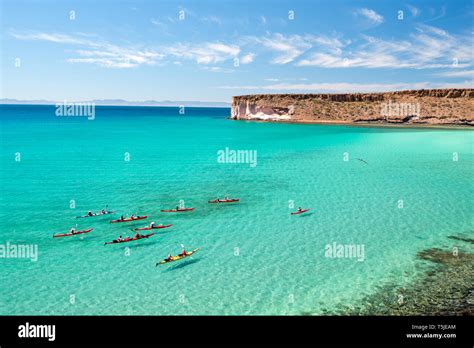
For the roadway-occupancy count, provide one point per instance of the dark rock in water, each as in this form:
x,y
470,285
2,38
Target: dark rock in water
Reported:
x,y
440,256
446,288
463,239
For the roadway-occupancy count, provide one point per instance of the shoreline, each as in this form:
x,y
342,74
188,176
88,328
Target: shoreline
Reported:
x,y
122,105
364,124
449,126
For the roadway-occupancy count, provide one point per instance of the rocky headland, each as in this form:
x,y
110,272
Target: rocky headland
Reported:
x,y
444,107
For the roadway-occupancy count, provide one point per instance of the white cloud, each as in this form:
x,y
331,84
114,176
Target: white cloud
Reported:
x,y
458,74
206,53
288,48
371,15
225,49
218,69
104,62
248,58
286,79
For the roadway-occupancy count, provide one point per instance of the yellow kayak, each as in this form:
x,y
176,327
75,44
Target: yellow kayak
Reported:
x,y
178,257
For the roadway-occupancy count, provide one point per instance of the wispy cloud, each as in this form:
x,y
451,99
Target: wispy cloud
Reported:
x,y
415,11
428,47
272,79
211,20
218,69
96,52
51,37
436,15
369,14
287,48
160,24
109,55
346,87
206,53
458,74
116,57
342,87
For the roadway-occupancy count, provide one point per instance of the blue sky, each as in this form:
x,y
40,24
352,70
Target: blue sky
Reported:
x,y
211,50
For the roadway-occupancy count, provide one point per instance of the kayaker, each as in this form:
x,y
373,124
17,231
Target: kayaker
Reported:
x,y
137,235
122,218
119,238
152,224
72,230
103,211
300,209
177,207
169,258
184,253
90,213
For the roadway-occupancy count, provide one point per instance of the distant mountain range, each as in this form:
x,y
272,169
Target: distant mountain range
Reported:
x,y
120,102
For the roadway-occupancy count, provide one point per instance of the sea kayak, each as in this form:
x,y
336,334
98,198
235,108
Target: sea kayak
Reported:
x,y
232,200
178,257
147,228
72,233
95,214
129,219
300,212
125,240
176,210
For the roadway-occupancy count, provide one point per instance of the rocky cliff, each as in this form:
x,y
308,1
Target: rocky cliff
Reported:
x,y
427,106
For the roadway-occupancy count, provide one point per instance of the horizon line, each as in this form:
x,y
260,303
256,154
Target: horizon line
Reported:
x,y
117,102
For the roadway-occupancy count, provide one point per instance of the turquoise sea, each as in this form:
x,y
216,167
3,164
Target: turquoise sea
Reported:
x,y
256,258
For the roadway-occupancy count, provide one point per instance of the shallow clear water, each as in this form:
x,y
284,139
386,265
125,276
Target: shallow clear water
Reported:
x,y
255,257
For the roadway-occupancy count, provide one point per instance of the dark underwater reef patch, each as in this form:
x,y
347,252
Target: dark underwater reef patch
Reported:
x,y
445,288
